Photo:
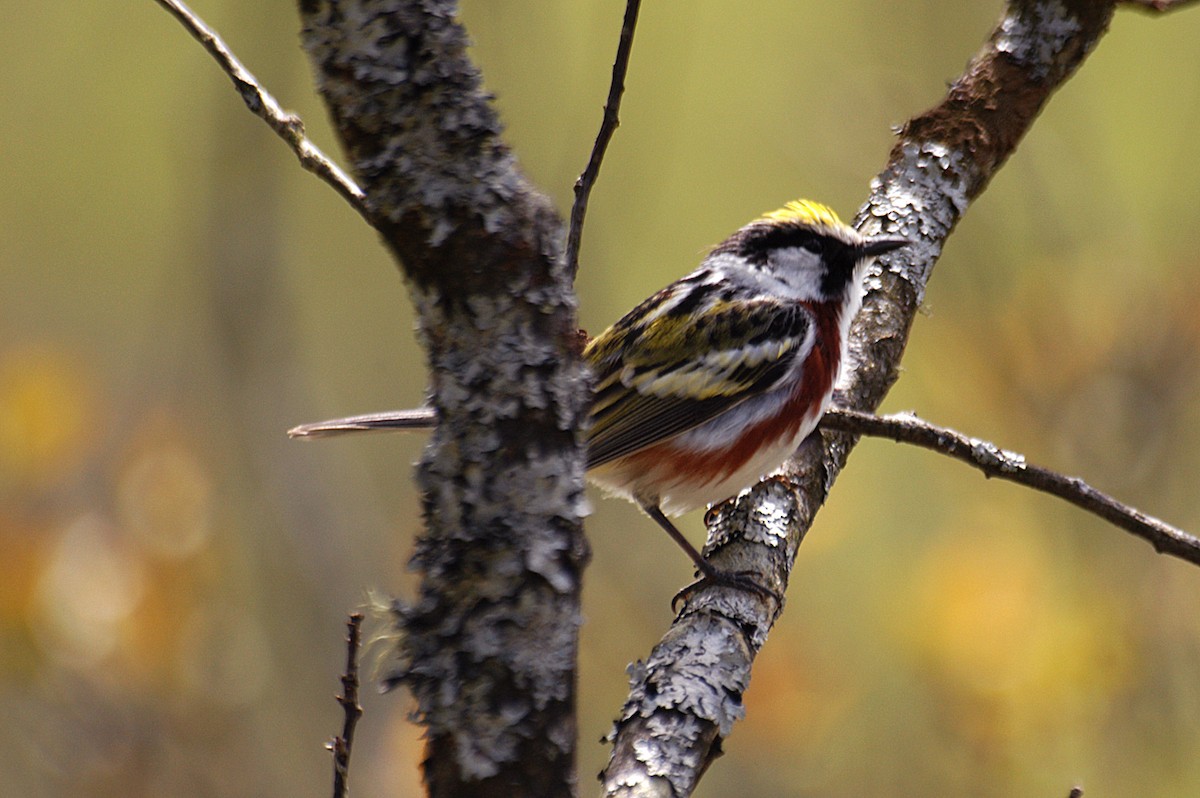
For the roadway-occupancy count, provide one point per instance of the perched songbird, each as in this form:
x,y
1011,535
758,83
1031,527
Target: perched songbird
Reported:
x,y
715,380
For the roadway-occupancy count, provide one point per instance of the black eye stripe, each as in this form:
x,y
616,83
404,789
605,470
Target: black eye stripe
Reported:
x,y
755,242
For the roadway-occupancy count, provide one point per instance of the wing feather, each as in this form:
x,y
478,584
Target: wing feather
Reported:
x,y
654,384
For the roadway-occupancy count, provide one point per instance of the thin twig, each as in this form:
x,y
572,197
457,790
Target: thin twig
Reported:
x,y
1076,792
1158,6
287,125
342,744
996,462
608,126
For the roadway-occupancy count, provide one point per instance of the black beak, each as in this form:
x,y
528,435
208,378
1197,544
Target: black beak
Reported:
x,y
881,244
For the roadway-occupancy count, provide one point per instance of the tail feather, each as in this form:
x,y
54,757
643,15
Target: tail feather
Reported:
x,y
387,421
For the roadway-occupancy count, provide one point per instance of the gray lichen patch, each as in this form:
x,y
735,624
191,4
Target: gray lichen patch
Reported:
x,y
1035,36
921,195
423,136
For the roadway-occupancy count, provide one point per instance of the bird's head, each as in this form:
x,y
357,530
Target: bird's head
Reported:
x,y
806,246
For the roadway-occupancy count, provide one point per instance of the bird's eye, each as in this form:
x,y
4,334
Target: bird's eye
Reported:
x,y
813,245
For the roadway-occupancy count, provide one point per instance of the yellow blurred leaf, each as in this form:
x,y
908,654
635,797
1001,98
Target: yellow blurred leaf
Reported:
x,y
1001,624
46,414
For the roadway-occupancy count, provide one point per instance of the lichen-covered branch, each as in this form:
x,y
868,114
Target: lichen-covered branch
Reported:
x,y
489,647
943,158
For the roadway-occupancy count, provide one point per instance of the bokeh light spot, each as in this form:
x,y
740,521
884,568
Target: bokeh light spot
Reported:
x,y
89,587
164,496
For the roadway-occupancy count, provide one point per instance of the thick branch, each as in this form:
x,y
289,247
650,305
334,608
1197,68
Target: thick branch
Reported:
x,y
287,125
942,160
1010,466
489,649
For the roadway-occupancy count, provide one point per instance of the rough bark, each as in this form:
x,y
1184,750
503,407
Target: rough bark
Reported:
x,y
489,648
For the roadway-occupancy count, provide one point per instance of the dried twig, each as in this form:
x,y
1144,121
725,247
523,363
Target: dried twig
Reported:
x,y
1002,464
608,126
287,125
341,745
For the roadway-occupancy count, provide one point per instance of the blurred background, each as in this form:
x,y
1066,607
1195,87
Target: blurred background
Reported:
x,y
175,292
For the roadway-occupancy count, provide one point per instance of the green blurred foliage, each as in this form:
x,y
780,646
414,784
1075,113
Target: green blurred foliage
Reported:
x,y
175,292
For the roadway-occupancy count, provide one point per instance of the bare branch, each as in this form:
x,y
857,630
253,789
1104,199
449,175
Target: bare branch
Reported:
x,y
344,742
608,126
287,125
1012,467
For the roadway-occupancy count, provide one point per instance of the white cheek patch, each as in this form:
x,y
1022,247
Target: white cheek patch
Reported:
x,y
798,271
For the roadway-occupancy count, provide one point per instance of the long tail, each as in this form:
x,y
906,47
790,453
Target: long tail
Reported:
x,y
387,421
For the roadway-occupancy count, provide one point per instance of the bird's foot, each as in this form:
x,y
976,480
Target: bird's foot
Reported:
x,y
740,580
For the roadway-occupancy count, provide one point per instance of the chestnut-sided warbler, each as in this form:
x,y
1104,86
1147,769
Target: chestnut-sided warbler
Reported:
x,y
715,380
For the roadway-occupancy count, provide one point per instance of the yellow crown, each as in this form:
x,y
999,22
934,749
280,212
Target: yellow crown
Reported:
x,y
803,212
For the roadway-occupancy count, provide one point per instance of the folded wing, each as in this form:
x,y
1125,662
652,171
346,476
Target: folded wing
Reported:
x,y
653,384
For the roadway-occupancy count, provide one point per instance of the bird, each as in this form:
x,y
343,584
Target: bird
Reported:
x,y
713,382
